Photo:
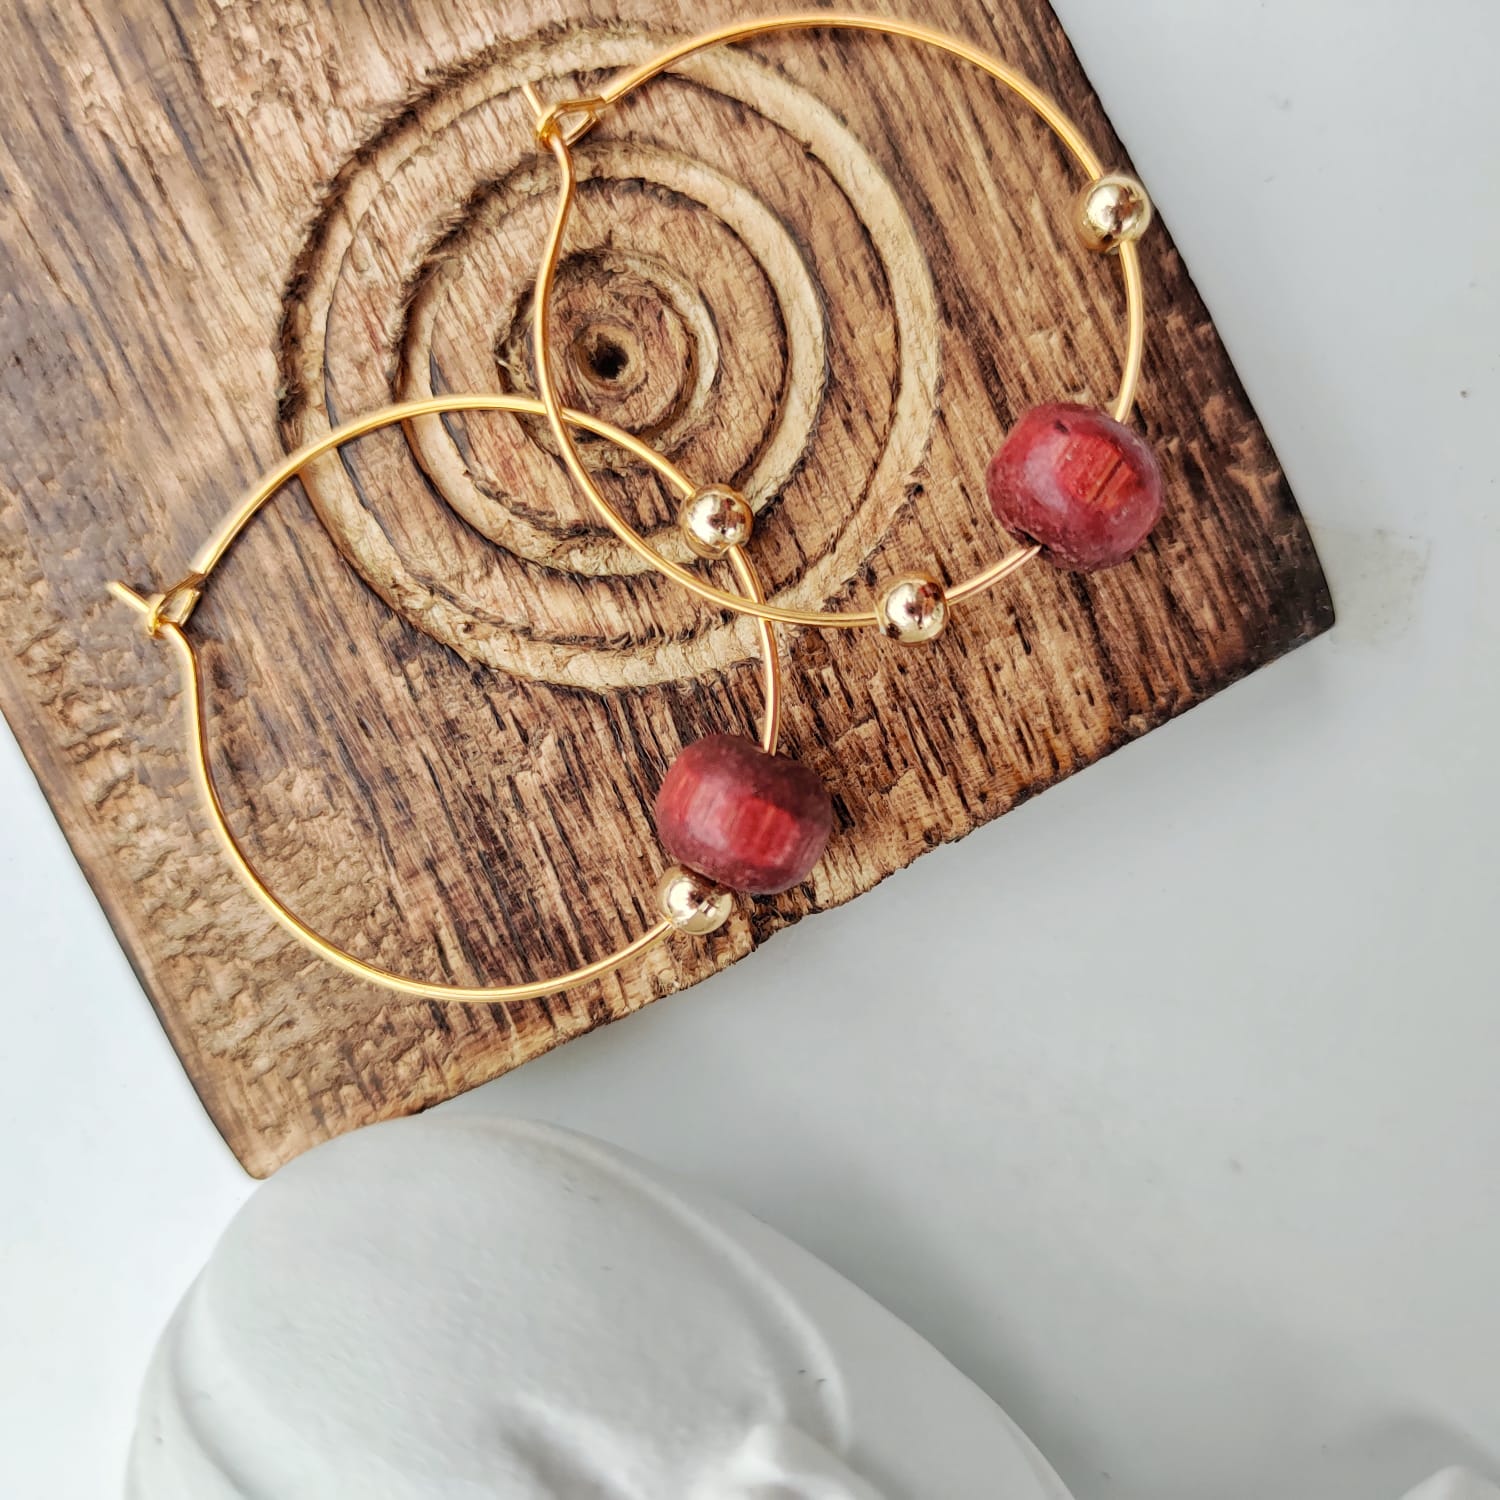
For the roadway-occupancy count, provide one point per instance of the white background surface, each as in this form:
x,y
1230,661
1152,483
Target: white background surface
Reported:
x,y
1168,1107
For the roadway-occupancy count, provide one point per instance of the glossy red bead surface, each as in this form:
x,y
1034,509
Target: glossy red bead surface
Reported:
x,y
1084,486
754,822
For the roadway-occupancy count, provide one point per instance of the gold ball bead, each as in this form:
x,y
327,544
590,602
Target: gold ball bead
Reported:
x,y
911,609
1111,211
692,902
715,518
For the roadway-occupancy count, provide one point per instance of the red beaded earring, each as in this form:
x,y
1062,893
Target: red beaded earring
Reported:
x,y
1073,484
740,816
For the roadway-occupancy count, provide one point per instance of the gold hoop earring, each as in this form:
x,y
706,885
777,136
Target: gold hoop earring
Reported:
x,y
738,815
1074,485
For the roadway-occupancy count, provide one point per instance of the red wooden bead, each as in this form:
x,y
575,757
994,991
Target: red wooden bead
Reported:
x,y
1084,486
752,821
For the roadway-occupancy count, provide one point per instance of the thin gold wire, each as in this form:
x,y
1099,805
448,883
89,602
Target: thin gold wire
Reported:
x,y
561,123
166,615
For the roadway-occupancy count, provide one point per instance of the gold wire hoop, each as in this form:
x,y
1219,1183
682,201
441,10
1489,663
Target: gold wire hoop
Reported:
x,y
561,123
166,614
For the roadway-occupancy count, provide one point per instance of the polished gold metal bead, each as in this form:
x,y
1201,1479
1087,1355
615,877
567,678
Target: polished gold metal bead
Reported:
x,y
1111,211
715,518
911,608
692,902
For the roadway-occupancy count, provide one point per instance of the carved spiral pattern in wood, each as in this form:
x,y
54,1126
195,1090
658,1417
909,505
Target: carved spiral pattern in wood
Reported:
x,y
703,302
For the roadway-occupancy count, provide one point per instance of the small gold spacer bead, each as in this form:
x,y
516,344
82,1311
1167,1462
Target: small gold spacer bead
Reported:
x,y
692,902
911,609
1110,212
715,518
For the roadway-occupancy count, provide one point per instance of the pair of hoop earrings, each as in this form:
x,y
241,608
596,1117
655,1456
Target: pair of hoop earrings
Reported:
x,y
1073,485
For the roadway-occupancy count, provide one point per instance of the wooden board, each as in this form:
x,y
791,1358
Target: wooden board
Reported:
x,y
828,268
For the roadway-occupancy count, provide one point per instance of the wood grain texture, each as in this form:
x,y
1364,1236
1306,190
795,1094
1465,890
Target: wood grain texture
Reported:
x,y
442,697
